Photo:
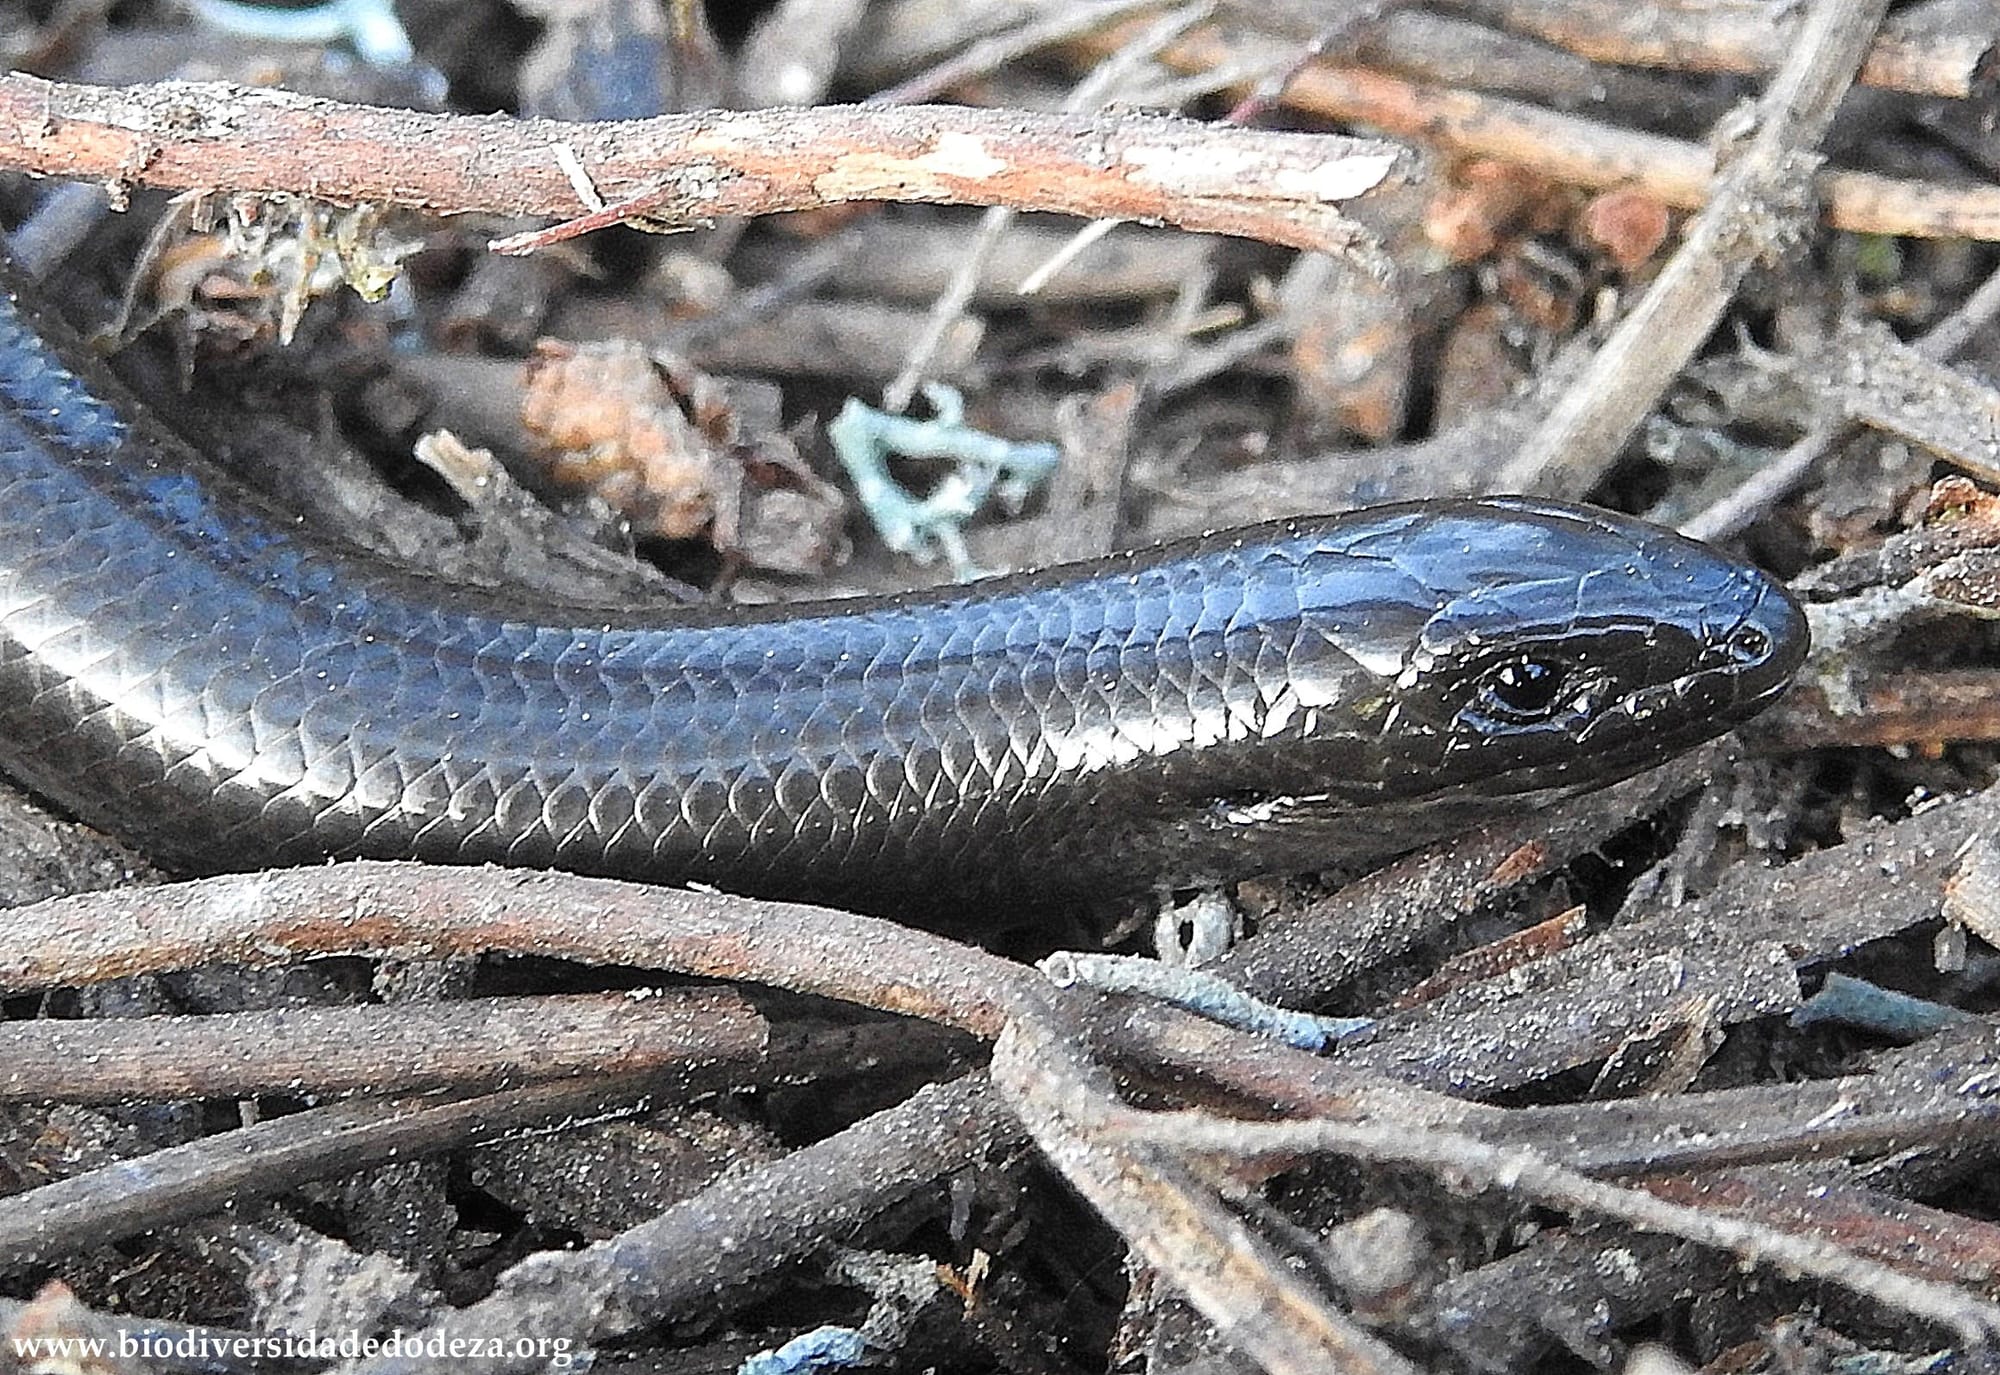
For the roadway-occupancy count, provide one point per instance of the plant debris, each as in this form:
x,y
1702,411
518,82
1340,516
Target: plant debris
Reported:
x,y
1697,1072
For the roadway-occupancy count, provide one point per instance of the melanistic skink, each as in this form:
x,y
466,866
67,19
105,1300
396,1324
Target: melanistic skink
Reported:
x,y
197,671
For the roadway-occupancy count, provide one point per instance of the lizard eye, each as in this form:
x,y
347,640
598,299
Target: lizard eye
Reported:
x,y
1523,690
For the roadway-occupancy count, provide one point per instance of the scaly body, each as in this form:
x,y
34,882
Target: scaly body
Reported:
x,y
194,670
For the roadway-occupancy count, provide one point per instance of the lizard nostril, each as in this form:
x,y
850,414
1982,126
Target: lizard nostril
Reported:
x,y
1748,645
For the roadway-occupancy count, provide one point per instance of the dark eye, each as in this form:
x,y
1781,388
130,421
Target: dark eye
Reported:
x,y
1748,645
1523,689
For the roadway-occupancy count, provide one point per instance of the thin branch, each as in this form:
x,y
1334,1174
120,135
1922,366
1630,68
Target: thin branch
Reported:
x,y
1095,90
1736,511
987,55
1900,711
1306,960
271,1157
1261,1301
421,911
1467,1161
1760,206
1937,49
682,170
1735,951
735,1232
476,1043
1585,152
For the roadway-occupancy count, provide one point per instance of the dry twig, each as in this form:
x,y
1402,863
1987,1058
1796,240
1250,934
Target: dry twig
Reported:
x,y
683,170
1319,951
1734,513
232,1168
1265,1305
422,911
1479,1165
1737,947
1756,211
374,1049
1586,152
1935,49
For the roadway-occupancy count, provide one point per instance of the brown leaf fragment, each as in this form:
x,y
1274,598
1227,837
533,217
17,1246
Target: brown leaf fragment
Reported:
x,y
608,423
1627,223
667,447
1958,499
1541,290
1487,203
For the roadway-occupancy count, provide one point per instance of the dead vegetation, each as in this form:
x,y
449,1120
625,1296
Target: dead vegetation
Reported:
x,y
1697,1072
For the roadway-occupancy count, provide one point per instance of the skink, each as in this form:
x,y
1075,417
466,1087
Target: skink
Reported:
x,y
195,670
